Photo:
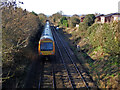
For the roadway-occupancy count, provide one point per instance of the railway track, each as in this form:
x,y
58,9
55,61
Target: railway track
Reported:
x,y
47,75
62,70
53,75
87,78
75,77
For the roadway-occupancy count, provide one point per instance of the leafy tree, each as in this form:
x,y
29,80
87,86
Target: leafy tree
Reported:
x,y
73,21
105,36
60,12
75,15
64,21
42,18
55,18
88,21
34,13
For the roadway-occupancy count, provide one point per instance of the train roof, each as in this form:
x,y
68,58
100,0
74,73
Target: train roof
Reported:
x,y
47,37
47,32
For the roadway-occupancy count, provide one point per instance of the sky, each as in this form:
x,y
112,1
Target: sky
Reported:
x,y
71,7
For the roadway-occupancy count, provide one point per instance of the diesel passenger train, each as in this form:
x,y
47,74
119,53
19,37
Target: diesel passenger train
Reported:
x,y
46,43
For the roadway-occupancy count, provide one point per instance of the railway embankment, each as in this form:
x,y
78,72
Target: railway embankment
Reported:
x,y
99,51
20,34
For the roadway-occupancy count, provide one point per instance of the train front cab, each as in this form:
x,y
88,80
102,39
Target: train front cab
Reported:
x,y
46,47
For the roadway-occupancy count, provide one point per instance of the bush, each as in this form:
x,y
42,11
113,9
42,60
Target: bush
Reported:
x,y
55,18
87,22
105,36
89,19
64,21
83,27
34,13
42,18
19,29
73,21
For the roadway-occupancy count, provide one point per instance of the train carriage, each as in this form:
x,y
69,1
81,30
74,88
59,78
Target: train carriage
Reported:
x,y
46,42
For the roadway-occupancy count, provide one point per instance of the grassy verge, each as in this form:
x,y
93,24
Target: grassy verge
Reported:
x,y
102,68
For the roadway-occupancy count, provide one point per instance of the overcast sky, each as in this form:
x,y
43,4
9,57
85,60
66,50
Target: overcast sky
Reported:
x,y
70,7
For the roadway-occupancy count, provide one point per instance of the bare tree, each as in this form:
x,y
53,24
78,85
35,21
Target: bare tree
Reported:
x,y
7,3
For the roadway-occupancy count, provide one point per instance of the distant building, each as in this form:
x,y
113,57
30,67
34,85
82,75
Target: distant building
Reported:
x,y
77,25
82,18
98,18
116,17
107,18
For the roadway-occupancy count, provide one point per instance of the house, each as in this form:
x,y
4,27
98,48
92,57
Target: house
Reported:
x,y
116,17
77,25
82,18
98,18
110,18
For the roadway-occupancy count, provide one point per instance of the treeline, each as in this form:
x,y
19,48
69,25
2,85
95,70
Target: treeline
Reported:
x,y
59,20
99,44
21,31
104,35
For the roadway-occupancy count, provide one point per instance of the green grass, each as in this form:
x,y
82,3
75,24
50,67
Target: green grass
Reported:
x,y
118,74
112,75
91,64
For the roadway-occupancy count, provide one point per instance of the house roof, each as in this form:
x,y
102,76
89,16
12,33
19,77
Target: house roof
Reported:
x,y
111,14
99,15
82,17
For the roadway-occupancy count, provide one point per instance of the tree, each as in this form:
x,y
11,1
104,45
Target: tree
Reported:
x,y
8,3
42,18
34,13
55,18
60,12
89,19
87,22
105,36
73,21
76,15
64,21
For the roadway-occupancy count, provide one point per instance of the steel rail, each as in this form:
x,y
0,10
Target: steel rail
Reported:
x,y
63,62
73,62
54,81
40,80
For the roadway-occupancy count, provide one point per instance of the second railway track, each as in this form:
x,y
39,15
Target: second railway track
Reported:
x,y
74,75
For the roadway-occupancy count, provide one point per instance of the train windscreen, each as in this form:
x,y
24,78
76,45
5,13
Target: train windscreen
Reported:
x,y
46,46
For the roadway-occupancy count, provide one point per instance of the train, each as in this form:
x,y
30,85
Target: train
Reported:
x,y
46,45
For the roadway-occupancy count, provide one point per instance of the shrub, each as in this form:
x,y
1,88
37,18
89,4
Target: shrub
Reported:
x,y
34,13
42,18
73,21
19,29
89,19
105,36
64,21
87,22
55,18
